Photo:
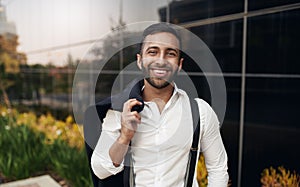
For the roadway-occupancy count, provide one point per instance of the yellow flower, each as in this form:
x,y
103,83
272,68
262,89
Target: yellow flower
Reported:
x,y
201,172
69,119
53,129
3,113
270,177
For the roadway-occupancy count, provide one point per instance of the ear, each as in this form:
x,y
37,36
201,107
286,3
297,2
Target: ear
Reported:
x,y
139,61
180,64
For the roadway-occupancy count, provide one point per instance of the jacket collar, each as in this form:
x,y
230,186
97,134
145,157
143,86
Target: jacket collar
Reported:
x,y
133,90
115,102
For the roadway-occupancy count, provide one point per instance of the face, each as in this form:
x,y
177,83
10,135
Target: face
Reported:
x,y
159,59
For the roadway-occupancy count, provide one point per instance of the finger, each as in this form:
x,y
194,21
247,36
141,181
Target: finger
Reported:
x,y
130,103
126,104
126,115
131,124
137,115
133,103
134,117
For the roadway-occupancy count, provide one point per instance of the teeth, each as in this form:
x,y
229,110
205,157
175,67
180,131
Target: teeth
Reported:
x,y
160,71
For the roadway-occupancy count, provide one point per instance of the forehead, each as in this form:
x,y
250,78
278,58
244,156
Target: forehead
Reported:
x,y
163,39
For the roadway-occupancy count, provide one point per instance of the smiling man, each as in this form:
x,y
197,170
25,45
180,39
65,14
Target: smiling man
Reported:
x,y
161,134
159,59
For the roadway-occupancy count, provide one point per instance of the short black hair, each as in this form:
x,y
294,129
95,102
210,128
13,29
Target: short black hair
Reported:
x,y
157,28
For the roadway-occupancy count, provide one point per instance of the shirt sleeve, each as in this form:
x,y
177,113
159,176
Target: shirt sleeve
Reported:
x,y
212,147
101,162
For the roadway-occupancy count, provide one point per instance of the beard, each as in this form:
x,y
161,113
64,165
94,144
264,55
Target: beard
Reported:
x,y
158,82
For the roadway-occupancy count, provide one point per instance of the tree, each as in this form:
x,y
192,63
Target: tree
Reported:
x,y
10,60
121,57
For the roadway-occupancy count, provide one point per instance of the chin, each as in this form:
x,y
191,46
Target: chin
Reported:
x,y
159,84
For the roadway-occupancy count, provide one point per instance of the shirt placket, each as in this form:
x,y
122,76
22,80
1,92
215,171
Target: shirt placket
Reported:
x,y
159,136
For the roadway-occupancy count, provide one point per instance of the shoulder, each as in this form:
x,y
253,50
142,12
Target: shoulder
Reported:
x,y
112,120
207,115
112,115
204,107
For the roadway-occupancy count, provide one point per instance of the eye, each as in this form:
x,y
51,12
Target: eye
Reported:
x,y
172,54
152,52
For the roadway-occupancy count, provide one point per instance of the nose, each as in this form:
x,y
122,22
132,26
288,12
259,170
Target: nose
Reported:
x,y
161,58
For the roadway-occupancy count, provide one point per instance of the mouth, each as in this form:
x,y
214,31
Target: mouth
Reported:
x,y
160,72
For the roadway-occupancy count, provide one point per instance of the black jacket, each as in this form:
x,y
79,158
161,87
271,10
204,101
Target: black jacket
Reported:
x,y
93,120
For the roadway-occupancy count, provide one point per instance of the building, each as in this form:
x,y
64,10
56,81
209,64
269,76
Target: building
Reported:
x,y
256,46
7,29
9,39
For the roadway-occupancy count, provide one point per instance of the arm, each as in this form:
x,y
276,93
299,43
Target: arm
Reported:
x,y
100,162
109,152
213,149
129,121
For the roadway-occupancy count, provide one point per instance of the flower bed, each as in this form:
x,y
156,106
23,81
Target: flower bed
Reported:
x,y
32,146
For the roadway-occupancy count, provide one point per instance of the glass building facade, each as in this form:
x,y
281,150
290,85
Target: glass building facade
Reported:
x,y
256,44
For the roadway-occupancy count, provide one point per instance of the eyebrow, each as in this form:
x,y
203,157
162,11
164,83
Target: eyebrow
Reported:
x,y
152,47
168,49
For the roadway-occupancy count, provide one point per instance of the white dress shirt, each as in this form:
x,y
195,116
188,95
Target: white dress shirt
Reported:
x,y
161,144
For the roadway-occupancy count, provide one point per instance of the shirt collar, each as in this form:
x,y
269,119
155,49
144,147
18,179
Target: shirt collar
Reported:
x,y
175,91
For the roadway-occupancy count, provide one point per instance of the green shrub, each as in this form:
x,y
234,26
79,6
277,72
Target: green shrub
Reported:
x,y
22,151
70,163
25,153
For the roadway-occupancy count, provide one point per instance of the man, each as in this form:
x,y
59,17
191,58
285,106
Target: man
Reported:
x,y
161,134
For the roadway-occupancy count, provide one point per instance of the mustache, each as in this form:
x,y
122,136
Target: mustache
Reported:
x,y
167,68
156,65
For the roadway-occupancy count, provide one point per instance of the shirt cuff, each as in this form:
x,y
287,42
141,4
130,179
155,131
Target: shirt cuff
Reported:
x,y
104,168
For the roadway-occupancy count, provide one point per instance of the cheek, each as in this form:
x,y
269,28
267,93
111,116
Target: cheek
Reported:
x,y
147,61
175,64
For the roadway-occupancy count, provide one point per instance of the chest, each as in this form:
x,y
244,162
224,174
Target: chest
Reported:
x,y
169,129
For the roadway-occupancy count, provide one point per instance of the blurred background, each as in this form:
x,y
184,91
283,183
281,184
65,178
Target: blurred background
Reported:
x,y
254,42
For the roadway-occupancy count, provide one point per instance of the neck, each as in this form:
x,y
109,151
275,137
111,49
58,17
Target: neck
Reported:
x,y
151,93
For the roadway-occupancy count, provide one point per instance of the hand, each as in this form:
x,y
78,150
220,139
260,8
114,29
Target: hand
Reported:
x,y
129,121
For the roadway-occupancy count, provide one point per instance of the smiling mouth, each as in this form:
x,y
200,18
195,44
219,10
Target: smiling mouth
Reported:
x,y
160,73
